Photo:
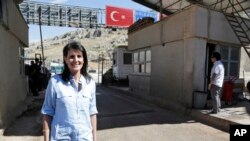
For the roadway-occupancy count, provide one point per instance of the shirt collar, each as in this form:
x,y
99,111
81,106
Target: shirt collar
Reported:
x,y
217,62
71,79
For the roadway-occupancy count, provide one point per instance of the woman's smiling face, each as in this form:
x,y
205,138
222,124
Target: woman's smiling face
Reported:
x,y
74,61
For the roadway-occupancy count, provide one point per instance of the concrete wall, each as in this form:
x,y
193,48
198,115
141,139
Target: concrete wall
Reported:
x,y
178,70
13,34
14,22
178,46
140,84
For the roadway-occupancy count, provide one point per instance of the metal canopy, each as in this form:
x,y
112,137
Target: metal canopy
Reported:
x,y
226,6
59,15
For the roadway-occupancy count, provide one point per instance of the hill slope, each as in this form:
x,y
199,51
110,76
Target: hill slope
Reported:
x,y
96,42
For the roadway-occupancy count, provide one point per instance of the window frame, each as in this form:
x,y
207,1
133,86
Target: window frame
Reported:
x,y
21,60
229,60
140,63
148,61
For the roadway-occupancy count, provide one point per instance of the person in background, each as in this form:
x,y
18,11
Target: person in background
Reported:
x,y
216,81
248,86
69,109
34,72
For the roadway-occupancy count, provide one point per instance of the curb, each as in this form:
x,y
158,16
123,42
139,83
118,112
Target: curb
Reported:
x,y
213,121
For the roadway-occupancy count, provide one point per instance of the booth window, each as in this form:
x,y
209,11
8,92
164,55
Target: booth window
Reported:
x,y
142,61
148,61
230,57
136,65
127,58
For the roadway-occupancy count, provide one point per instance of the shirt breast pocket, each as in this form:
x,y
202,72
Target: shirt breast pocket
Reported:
x,y
64,99
86,98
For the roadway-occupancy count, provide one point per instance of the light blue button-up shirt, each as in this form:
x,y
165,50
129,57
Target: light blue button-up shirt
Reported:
x,y
70,109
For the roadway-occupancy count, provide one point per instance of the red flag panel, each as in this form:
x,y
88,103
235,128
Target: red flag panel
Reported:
x,y
120,17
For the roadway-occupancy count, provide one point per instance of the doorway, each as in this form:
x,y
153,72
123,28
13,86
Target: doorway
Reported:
x,y
209,49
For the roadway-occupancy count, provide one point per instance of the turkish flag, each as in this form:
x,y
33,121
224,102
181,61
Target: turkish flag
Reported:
x,y
120,17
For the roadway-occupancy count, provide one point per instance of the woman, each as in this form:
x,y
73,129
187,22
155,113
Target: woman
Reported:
x,y
69,109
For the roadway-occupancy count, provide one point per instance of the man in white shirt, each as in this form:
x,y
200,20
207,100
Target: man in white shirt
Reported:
x,y
216,81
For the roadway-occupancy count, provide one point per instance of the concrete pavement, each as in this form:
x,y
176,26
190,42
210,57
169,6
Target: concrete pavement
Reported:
x,y
123,118
132,119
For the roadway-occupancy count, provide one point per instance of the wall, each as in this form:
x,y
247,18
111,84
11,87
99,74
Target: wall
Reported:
x,y
13,34
178,70
139,84
14,22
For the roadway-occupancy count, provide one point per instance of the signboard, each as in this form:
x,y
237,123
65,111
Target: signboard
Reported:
x,y
141,14
120,17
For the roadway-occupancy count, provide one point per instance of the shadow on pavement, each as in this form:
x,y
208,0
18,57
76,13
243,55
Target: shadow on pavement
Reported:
x,y
117,110
29,123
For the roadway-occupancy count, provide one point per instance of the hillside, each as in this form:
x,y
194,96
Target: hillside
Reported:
x,y
96,42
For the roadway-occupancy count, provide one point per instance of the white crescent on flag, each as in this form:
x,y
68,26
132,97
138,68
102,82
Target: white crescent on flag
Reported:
x,y
119,17
112,16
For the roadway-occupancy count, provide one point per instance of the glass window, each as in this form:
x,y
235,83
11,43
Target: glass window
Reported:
x,y
224,53
141,68
127,58
148,55
142,61
142,56
230,59
226,67
235,54
135,57
148,67
136,68
233,69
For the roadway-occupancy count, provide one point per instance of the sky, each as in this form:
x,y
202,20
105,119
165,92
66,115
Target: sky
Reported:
x,y
52,31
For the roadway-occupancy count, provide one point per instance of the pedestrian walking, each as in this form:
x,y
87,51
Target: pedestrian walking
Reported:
x,y
69,109
216,81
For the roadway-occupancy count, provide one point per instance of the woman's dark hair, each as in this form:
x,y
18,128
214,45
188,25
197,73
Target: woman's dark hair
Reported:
x,y
216,55
248,86
76,46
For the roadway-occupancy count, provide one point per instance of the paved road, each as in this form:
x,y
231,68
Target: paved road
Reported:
x,y
123,118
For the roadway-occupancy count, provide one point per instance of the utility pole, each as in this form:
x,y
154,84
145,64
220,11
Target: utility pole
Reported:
x,y
40,26
102,67
98,68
